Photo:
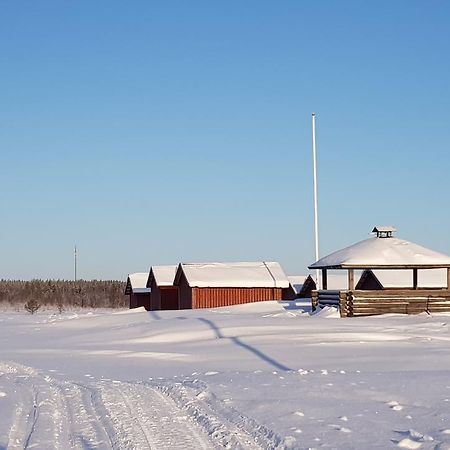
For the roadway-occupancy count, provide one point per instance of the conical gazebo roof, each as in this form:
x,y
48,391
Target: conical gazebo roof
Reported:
x,y
383,253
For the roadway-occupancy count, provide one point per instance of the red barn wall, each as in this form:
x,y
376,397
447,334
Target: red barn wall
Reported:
x,y
194,297
216,297
289,293
163,297
169,297
185,293
155,296
140,299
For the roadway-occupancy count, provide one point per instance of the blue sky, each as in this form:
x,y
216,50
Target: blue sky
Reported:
x,y
153,132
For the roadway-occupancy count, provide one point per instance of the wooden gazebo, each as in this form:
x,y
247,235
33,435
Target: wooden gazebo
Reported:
x,y
383,252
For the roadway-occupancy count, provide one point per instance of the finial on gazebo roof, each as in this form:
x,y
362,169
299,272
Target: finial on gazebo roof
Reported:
x,y
384,232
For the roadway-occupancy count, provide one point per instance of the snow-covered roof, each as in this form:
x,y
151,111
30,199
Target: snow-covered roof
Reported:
x,y
236,274
137,283
377,253
426,278
164,275
297,282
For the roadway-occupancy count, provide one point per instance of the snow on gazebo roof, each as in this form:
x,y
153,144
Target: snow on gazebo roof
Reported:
x,y
239,275
164,275
136,283
383,253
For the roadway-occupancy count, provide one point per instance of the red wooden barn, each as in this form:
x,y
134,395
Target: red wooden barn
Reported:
x,y
164,295
137,290
210,285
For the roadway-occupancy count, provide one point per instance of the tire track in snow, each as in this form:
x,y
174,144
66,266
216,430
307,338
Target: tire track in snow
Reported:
x,y
54,414
28,408
90,429
33,419
20,431
228,427
148,419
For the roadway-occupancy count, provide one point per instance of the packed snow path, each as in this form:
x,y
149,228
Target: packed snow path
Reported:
x,y
118,415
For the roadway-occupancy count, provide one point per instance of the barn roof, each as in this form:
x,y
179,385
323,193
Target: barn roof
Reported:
x,y
301,284
136,283
427,278
297,282
379,253
163,275
236,274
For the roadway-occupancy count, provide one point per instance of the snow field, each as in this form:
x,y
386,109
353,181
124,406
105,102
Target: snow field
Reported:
x,y
247,377
121,415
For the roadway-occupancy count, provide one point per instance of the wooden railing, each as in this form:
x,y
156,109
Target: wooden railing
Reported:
x,y
337,299
400,301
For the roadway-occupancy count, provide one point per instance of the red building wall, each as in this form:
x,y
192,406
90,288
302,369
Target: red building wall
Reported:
x,y
169,297
185,293
194,297
138,300
163,297
216,297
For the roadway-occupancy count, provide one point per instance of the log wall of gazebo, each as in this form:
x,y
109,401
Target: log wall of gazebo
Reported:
x,y
353,303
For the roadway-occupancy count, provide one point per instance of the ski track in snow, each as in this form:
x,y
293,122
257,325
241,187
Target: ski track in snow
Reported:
x,y
55,414
229,427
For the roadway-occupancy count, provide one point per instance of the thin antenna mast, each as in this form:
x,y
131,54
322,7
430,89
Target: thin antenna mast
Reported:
x,y
75,263
316,219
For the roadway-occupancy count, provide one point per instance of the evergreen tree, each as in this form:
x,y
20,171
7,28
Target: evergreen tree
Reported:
x,y
32,306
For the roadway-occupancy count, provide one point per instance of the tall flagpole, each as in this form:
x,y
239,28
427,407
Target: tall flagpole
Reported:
x,y
316,219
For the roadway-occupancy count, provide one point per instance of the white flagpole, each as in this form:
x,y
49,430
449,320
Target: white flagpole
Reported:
x,y
316,219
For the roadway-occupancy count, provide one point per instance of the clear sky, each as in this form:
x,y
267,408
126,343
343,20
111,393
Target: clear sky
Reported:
x,y
154,132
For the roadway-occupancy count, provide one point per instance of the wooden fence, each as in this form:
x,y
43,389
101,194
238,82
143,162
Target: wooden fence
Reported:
x,y
367,303
321,299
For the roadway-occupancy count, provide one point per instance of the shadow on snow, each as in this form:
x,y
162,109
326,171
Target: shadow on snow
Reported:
x,y
237,341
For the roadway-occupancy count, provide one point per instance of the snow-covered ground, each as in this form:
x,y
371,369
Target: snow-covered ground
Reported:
x,y
245,377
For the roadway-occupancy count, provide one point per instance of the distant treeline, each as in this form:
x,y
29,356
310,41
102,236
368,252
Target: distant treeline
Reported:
x,y
62,293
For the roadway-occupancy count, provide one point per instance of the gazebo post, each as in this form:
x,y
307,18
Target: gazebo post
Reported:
x,y
415,281
324,279
351,280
